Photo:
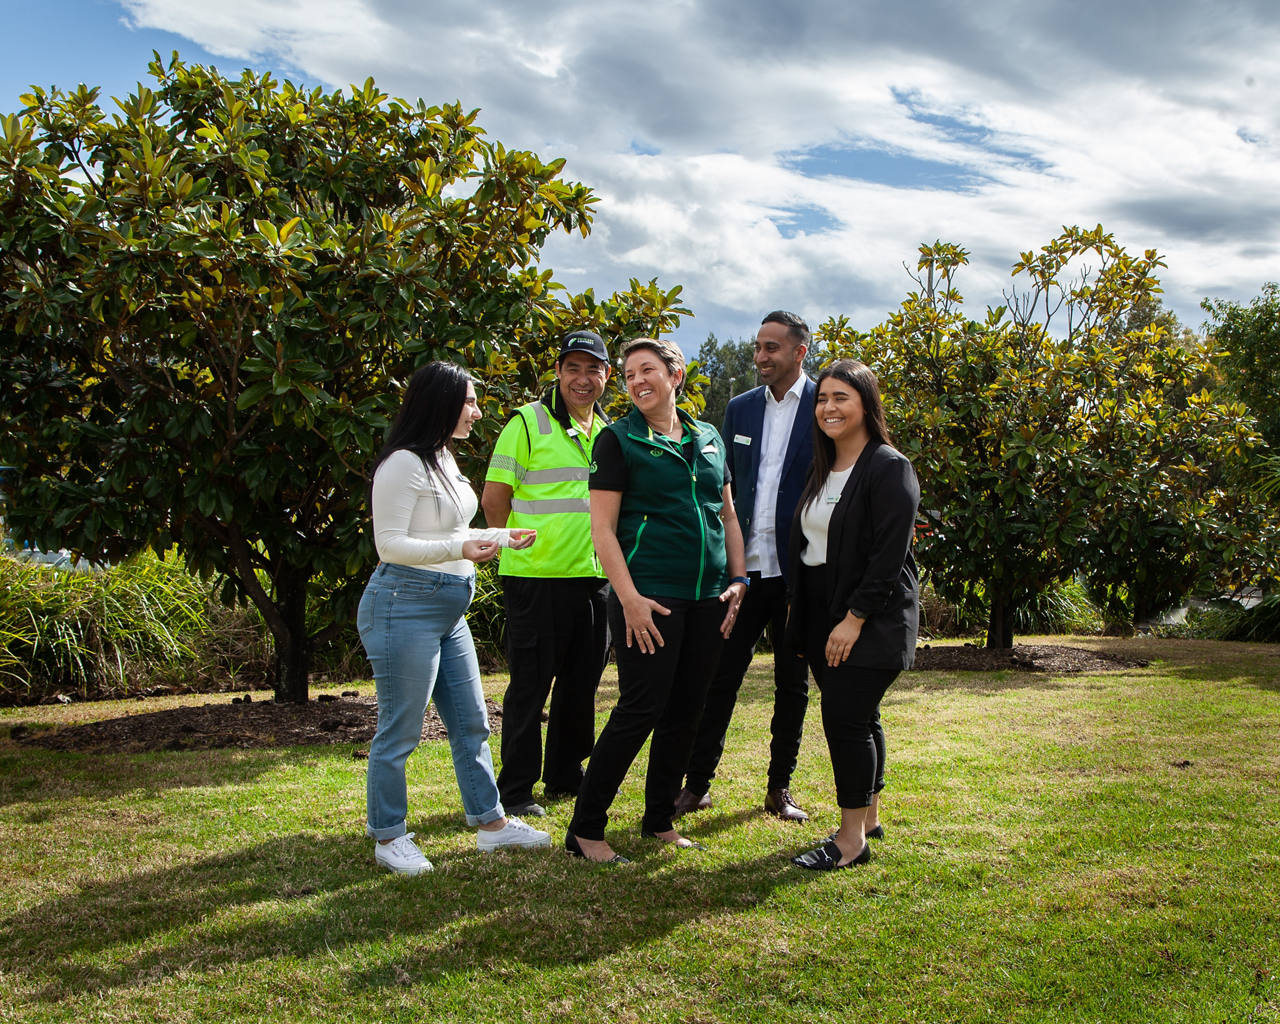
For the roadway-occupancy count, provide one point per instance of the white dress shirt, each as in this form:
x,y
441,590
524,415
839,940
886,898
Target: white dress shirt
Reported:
x,y
779,421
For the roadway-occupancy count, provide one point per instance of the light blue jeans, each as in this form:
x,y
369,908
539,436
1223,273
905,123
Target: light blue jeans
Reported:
x,y
414,631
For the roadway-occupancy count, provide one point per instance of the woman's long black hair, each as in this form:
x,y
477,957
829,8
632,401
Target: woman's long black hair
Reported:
x,y
428,415
862,379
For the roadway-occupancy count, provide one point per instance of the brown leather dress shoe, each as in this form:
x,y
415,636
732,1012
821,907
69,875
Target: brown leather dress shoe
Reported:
x,y
778,802
687,800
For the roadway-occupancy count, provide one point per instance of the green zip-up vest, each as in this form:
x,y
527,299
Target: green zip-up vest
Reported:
x,y
669,524
549,494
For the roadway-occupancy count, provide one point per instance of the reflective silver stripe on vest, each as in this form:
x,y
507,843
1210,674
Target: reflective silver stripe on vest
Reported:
x,y
550,506
544,421
509,464
558,475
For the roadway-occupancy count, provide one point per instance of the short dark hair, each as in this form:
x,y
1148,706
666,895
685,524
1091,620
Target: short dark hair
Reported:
x,y
797,329
667,351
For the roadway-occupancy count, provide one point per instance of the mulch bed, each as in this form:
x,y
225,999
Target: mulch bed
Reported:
x,y
1022,658
350,719
243,724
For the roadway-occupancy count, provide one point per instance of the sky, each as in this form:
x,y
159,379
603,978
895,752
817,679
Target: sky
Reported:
x,y
771,155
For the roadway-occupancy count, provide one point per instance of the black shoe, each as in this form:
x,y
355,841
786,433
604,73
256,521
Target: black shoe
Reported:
x,y
688,801
528,809
778,802
688,844
827,858
575,849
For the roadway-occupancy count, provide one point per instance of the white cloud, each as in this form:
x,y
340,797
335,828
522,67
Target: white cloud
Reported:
x,y
1156,120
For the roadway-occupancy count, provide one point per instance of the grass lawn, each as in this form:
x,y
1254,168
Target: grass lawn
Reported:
x,y
1078,848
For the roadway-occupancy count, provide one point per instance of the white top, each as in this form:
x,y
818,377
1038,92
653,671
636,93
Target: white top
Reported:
x,y
779,421
419,521
815,517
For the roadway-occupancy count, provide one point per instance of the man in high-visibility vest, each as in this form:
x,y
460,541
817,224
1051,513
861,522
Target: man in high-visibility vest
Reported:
x,y
554,592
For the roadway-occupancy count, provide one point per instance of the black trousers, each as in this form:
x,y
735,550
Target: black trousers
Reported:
x,y
851,697
557,634
764,607
660,693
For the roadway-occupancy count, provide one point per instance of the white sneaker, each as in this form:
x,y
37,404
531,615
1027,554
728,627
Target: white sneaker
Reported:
x,y
514,833
402,856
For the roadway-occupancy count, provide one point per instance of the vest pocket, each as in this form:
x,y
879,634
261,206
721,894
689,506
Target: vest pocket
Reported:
x,y
636,546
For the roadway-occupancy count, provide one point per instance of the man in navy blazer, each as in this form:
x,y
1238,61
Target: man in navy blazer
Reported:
x,y
769,433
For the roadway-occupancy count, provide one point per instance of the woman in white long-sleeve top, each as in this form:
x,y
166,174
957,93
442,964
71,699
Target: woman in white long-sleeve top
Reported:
x,y
412,618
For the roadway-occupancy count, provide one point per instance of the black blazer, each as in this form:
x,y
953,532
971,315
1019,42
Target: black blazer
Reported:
x,y
869,555
743,433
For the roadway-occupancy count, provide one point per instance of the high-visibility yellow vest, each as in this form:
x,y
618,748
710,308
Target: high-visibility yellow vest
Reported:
x,y
546,466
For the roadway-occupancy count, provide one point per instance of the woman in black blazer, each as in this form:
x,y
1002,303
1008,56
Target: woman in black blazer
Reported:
x,y
855,608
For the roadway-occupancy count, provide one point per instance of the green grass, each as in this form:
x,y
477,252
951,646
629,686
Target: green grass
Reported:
x,y
1050,856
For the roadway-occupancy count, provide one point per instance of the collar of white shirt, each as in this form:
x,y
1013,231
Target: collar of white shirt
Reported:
x,y
796,391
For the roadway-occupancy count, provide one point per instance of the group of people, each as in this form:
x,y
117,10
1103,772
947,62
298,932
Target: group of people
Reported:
x,y
682,544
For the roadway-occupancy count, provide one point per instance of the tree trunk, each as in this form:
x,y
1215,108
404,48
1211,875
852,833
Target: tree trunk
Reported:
x,y
1000,621
293,646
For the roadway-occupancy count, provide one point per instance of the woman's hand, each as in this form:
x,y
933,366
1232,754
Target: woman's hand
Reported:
x,y
732,596
639,612
842,639
480,550
522,538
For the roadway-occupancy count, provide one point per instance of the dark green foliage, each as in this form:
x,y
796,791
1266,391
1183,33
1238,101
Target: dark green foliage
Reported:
x,y
209,303
1068,432
1249,340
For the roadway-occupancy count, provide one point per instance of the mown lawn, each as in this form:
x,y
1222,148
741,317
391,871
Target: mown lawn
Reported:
x,y
1090,848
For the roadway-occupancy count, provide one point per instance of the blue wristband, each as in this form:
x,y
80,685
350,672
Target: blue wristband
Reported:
x,y
744,580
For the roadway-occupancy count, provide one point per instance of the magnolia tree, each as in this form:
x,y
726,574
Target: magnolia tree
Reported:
x,y
1063,433
210,301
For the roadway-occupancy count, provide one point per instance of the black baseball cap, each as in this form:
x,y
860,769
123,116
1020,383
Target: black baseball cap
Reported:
x,y
583,341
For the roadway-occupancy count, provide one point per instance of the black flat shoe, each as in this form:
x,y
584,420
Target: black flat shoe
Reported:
x,y
827,858
575,849
688,844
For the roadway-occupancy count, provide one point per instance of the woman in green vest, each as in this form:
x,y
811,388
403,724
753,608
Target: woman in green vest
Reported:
x,y
663,525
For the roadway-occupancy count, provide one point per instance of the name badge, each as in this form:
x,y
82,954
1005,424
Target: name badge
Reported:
x,y
741,439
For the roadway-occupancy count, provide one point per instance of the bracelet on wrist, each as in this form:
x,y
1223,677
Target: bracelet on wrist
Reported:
x,y
744,580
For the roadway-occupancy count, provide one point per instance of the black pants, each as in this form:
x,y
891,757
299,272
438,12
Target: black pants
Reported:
x,y
556,632
660,693
851,698
764,607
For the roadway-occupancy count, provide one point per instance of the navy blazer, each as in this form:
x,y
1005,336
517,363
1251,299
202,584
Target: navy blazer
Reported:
x,y
743,432
870,567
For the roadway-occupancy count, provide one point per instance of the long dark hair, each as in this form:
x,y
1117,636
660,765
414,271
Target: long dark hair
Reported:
x,y
862,379
428,415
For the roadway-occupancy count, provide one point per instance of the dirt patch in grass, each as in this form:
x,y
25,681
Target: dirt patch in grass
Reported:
x,y
244,724
350,719
1021,657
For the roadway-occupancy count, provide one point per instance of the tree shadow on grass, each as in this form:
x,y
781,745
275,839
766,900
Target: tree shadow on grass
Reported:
x,y
1209,661
304,895
29,775
999,681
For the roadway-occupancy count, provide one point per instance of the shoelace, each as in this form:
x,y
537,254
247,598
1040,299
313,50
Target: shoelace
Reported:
x,y
404,845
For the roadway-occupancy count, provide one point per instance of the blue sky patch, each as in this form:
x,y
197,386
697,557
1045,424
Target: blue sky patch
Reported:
x,y
803,220
882,167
